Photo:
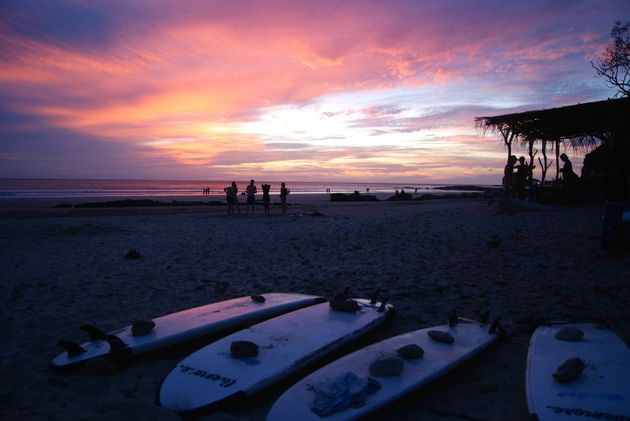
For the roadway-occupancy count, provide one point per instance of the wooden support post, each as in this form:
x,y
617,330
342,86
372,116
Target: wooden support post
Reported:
x,y
545,163
532,154
557,160
508,137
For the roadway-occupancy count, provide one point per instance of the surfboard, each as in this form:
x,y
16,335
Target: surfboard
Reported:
x,y
178,327
286,344
298,402
602,391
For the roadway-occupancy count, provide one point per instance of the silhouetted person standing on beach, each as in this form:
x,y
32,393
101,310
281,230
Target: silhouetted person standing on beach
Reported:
x,y
266,197
283,197
229,192
232,200
251,196
235,187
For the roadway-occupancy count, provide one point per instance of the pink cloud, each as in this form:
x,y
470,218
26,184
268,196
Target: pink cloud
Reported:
x,y
179,78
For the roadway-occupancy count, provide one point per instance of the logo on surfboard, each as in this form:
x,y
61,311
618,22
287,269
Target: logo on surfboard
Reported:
x,y
221,380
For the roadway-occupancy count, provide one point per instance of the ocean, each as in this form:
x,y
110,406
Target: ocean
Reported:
x,y
70,188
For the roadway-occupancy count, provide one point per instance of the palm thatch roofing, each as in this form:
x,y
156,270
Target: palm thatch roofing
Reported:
x,y
582,125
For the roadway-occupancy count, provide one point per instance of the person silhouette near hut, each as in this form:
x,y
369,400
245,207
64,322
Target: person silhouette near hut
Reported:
x,y
523,175
283,197
569,178
266,198
251,196
508,174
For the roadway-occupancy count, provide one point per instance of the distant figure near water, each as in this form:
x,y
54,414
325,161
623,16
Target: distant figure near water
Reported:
x,y
251,196
283,197
266,197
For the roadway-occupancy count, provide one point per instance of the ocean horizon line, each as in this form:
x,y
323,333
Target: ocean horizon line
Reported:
x,y
216,180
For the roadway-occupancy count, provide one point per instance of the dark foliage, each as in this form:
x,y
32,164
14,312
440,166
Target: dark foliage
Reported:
x,y
614,65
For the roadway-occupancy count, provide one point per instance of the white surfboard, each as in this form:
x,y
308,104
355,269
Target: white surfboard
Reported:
x,y
469,339
285,344
601,392
182,326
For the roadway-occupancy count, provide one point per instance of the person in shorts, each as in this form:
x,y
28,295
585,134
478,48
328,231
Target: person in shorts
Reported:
x,y
266,197
251,196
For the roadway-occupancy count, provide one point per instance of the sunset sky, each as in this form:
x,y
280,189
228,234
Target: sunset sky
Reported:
x,y
292,90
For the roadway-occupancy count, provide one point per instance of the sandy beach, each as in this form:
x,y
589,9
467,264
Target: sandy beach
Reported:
x,y
65,267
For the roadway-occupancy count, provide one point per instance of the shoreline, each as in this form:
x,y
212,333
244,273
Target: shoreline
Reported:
x,y
10,203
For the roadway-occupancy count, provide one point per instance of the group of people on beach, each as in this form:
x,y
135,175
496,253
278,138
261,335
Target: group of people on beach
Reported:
x,y
517,177
231,192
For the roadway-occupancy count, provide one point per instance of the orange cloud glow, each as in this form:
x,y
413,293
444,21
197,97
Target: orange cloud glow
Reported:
x,y
358,89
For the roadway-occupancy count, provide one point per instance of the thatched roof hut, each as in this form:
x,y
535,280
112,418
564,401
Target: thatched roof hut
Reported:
x,y
580,126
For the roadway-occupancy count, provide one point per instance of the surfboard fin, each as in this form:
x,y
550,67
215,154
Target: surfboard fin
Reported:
x,y
95,333
115,343
342,296
452,318
497,327
374,297
383,306
72,348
